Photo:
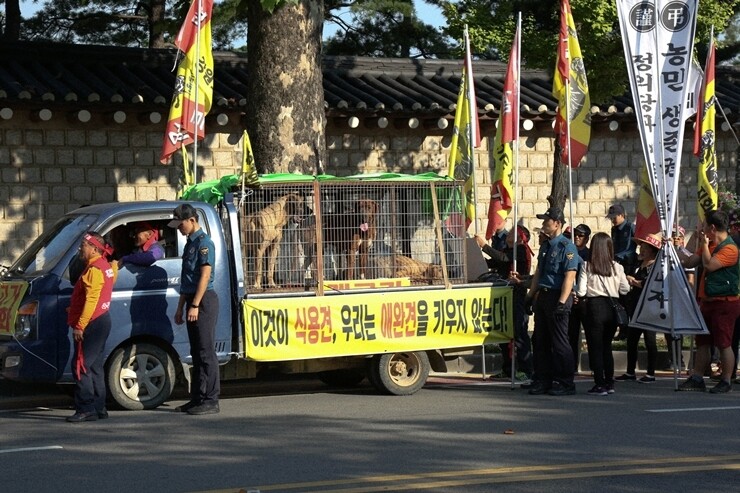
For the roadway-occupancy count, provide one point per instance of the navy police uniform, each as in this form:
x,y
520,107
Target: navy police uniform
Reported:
x,y
199,251
553,355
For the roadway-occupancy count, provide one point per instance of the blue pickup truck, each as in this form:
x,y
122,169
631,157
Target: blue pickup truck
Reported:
x,y
392,327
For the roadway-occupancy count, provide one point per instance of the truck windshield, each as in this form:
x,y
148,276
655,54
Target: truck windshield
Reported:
x,y
47,250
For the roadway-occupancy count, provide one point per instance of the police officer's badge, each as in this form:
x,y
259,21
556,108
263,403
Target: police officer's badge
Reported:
x,y
570,256
203,251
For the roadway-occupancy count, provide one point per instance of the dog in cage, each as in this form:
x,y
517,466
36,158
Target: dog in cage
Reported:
x,y
350,234
402,266
263,232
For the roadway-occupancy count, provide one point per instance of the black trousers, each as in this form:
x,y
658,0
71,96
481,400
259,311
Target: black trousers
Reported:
x,y
90,389
205,382
600,326
521,337
553,356
577,314
633,339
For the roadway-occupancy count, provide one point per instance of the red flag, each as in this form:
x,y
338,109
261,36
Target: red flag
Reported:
x,y
507,135
570,88
194,82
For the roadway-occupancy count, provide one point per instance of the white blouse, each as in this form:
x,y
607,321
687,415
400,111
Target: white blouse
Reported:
x,y
592,285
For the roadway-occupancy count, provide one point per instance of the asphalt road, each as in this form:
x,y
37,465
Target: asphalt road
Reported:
x,y
456,434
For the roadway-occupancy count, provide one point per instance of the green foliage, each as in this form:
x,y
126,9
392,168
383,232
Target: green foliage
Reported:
x,y
491,24
385,28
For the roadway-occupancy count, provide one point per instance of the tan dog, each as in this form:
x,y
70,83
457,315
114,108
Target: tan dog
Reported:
x,y
263,230
349,233
403,266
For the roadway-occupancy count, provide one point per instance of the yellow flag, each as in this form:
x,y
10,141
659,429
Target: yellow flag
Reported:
x,y
249,168
704,142
570,88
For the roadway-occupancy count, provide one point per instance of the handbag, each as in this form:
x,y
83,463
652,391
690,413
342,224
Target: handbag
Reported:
x,y
620,313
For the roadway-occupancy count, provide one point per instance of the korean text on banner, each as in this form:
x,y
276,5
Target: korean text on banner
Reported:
x,y
375,323
502,194
570,88
193,94
658,40
462,160
704,141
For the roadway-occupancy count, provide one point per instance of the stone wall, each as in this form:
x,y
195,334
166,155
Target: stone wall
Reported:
x,y
49,168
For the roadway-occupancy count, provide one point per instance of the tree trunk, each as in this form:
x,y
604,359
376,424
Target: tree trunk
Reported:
x,y
285,100
156,24
12,20
559,190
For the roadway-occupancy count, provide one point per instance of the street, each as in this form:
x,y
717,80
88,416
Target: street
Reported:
x,y
456,434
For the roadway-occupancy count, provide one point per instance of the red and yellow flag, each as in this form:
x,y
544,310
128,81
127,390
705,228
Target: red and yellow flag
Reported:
x,y
704,141
570,88
465,132
507,135
194,82
646,218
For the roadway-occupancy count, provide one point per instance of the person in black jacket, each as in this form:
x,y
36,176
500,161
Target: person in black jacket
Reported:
x,y
500,262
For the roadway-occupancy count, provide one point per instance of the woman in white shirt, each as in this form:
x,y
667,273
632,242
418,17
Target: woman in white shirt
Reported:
x,y
601,281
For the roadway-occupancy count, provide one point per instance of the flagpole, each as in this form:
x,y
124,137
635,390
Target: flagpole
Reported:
x,y
567,127
197,83
473,112
517,99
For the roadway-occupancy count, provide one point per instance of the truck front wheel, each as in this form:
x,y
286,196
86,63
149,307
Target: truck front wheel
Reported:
x,y
140,376
401,373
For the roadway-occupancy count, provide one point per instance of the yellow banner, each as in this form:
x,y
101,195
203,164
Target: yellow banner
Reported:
x,y
281,329
11,293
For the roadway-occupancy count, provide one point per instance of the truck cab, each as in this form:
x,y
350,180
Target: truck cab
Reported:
x,y
145,344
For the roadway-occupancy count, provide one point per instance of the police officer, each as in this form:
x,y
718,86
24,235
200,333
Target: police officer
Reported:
x,y
625,250
551,294
199,302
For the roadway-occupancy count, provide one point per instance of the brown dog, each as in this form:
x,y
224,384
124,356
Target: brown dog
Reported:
x,y
349,233
263,230
403,266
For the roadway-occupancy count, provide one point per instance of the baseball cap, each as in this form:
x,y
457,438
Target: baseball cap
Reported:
x,y
181,213
554,213
583,229
615,211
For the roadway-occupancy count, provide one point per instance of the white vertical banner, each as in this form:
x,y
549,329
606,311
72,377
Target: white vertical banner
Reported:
x,y
658,39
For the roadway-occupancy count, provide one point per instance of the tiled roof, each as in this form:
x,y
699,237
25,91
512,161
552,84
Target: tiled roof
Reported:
x,y
128,78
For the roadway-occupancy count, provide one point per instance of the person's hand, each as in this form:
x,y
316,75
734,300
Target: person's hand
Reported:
x,y
529,305
178,317
193,312
480,241
77,335
514,277
561,309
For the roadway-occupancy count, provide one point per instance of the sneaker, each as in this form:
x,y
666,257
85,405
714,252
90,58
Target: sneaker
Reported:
x,y
626,377
692,385
647,379
185,407
610,388
538,388
560,389
79,417
722,387
209,407
597,390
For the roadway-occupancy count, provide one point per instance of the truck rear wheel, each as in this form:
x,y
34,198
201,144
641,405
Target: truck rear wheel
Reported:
x,y
140,376
402,373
